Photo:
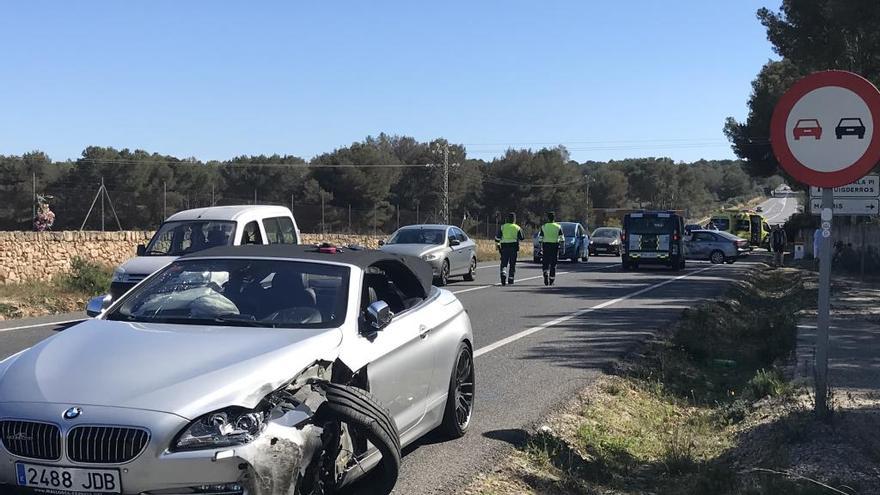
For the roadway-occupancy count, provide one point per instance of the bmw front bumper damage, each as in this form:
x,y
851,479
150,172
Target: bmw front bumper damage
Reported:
x,y
272,464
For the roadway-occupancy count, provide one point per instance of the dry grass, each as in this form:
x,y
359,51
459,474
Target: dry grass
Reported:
x,y
688,418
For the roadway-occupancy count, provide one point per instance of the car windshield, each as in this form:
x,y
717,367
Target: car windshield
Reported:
x,y
605,232
179,238
807,123
650,225
568,229
850,122
418,236
241,292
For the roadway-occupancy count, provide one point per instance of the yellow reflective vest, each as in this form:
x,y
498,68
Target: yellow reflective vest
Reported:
x,y
551,233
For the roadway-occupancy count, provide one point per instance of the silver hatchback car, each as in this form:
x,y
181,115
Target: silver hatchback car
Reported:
x,y
448,250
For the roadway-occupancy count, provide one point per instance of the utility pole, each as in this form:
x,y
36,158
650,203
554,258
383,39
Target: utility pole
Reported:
x,y
444,207
323,227
446,183
164,200
102,203
212,194
34,203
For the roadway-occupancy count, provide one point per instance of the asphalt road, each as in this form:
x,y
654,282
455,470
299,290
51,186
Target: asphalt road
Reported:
x,y
777,210
535,347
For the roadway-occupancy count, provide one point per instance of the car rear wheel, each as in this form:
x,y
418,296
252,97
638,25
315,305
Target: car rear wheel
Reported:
x,y
443,278
460,401
717,257
472,271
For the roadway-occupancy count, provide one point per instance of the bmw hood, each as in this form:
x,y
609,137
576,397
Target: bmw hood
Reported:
x,y
146,265
186,370
417,250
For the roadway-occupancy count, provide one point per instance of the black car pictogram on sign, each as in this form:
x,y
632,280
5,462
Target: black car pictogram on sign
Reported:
x,y
850,127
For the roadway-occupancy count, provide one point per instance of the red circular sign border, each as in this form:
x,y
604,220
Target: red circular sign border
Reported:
x,y
847,80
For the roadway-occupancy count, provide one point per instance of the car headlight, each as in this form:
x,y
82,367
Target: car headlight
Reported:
x,y
118,274
224,428
431,257
615,242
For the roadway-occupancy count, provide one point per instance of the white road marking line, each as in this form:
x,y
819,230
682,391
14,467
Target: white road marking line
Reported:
x,y
525,333
462,291
36,325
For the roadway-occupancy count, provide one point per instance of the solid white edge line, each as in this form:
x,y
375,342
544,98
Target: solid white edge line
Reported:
x,y
525,333
462,291
37,325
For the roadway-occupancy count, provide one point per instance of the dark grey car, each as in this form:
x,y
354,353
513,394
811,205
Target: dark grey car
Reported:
x,y
715,246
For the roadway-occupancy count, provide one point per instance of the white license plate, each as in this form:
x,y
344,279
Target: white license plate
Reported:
x,y
649,255
64,479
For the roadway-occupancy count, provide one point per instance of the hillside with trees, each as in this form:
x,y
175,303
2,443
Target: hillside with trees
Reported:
x,y
370,185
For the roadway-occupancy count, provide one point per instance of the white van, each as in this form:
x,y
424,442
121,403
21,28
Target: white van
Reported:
x,y
194,230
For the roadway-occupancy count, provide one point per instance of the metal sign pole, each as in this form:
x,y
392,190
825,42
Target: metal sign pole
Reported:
x,y
824,313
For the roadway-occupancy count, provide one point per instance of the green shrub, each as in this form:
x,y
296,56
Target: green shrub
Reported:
x,y
767,384
87,276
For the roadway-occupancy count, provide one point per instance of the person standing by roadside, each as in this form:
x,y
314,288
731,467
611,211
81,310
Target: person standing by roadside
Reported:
x,y
778,241
508,239
551,238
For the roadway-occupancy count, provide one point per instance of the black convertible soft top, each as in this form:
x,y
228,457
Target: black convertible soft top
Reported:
x,y
362,258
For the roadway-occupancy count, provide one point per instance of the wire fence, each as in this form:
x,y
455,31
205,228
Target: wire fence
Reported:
x,y
120,208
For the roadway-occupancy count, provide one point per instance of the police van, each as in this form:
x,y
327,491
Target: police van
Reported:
x,y
653,237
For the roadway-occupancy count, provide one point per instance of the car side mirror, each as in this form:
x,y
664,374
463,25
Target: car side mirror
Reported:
x,y
98,305
381,242
378,316
141,250
454,242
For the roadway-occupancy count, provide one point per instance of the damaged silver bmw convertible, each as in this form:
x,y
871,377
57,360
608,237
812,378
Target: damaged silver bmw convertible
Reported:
x,y
258,370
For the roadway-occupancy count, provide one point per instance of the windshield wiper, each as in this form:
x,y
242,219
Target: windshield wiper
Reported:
x,y
243,320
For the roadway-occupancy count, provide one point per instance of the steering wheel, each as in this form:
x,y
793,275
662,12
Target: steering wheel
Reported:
x,y
299,314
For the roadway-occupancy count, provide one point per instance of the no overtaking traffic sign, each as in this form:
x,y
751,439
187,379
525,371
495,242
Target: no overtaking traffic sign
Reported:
x,y
823,129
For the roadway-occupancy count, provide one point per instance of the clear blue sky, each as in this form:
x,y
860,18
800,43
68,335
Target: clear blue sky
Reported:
x,y
219,79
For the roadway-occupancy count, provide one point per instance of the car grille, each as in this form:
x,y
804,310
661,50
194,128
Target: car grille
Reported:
x,y
105,444
31,439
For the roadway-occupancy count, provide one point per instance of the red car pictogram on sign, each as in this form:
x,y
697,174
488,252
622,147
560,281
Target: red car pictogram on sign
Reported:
x,y
807,128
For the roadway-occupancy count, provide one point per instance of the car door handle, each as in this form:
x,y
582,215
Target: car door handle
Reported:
x,y
423,331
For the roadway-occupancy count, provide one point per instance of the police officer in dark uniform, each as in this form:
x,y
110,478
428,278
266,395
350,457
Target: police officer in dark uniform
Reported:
x,y
508,238
551,238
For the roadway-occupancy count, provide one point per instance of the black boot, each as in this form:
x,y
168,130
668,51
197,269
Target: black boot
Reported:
x,y
510,281
546,278
503,279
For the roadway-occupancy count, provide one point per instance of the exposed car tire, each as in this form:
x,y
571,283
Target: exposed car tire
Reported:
x,y
471,275
443,278
460,401
716,257
360,411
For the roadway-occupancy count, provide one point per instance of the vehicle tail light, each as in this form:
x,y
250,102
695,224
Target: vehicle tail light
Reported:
x,y
675,236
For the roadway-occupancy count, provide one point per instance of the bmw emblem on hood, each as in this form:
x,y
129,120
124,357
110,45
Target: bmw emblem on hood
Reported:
x,y
73,413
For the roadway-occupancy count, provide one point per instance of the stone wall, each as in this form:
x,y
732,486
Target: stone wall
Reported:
x,y
42,256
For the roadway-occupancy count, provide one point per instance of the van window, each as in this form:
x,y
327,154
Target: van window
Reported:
x,y
279,230
251,234
722,223
650,225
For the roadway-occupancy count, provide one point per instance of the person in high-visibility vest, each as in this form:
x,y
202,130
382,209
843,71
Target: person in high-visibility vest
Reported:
x,y
508,238
551,239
